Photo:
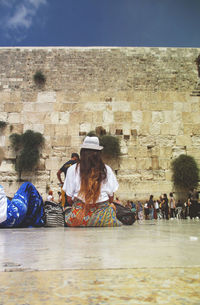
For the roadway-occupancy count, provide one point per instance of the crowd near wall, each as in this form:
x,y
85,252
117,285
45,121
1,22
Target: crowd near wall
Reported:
x,y
148,97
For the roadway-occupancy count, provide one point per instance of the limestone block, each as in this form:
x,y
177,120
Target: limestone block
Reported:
x,y
108,117
13,107
28,96
178,150
73,129
143,163
147,175
165,141
155,162
165,129
135,106
168,175
97,118
187,117
122,116
46,97
15,96
195,129
14,128
61,140
64,107
33,117
183,140
182,107
64,117
123,147
60,129
2,140
164,163
188,128
165,152
85,127
14,118
41,165
80,117
158,175
157,117
193,151
155,129
29,107
44,107
49,129
54,118
94,106
176,128
154,106
137,116
4,97
195,107
121,106
38,128
195,140
127,163
52,164
148,140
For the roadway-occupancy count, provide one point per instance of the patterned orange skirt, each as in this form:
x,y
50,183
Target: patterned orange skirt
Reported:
x,y
99,215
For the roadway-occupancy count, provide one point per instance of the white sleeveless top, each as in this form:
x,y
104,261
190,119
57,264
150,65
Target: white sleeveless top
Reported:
x,y
73,182
3,205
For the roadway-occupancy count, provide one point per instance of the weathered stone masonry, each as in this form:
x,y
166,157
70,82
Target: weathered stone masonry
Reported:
x,y
147,93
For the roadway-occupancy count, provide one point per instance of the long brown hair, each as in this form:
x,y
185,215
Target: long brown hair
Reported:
x,y
92,173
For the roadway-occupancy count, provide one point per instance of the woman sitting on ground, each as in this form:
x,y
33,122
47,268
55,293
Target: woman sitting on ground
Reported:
x,y
90,187
24,210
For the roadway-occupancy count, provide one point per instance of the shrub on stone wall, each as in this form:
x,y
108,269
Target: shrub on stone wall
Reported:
x,y
185,172
2,124
110,143
39,78
27,147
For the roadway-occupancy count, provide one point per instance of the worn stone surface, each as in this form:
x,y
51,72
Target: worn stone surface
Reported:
x,y
147,93
151,262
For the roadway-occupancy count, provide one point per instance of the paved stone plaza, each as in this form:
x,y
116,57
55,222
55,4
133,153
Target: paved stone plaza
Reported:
x,y
155,262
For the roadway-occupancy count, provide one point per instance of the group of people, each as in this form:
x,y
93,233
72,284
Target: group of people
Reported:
x,y
88,189
166,208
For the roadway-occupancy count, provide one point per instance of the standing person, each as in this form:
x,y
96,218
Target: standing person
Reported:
x,y
139,211
90,187
146,211
24,210
165,205
194,205
172,205
151,207
74,159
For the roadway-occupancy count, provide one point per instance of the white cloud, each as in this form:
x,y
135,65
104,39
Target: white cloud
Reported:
x,y
19,14
22,18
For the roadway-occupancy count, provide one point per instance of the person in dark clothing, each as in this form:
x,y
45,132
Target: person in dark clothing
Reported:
x,y
193,211
151,207
165,205
74,159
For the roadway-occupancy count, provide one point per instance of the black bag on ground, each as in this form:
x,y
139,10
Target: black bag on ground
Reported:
x,y
54,215
125,215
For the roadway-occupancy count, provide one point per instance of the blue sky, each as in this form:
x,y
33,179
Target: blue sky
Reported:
x,y
165,23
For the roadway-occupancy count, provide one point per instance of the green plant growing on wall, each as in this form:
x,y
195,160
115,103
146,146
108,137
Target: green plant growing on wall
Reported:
x,y
39,78
26,146
185,172
110,143
2,124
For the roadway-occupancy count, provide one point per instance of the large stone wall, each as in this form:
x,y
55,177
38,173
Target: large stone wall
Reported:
x,y
147,94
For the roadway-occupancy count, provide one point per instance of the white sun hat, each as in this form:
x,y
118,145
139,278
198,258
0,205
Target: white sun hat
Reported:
x,y
91,143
